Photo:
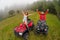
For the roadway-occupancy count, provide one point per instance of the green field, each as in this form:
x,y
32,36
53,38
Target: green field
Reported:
x,y
7,28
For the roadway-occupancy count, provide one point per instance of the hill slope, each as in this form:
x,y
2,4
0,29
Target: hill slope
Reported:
x,y
7,28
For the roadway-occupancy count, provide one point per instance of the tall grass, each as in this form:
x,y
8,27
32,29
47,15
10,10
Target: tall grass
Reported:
x,y
7,28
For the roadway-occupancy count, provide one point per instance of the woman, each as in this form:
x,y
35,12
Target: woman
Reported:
x,y
25,18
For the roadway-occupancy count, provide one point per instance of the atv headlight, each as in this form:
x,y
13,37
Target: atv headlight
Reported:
x,y
45,29
21,34
38,29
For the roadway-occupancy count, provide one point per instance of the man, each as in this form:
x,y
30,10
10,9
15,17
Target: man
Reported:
x,y
42,15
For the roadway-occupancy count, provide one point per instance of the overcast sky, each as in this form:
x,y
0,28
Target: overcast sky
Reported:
x,y
5,3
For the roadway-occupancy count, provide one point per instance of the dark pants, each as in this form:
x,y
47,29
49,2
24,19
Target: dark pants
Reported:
x,y
43,21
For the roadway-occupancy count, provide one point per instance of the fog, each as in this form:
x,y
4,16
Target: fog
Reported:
x,y
6,5
9,3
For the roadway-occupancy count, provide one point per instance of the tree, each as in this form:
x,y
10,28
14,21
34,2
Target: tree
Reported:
x,y
57,7
18,11
11,12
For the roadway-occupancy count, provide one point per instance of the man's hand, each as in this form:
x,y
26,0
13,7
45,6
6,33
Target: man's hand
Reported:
x,y
47,9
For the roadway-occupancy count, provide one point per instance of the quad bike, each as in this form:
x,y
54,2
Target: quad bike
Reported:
x,y
22,30
41,27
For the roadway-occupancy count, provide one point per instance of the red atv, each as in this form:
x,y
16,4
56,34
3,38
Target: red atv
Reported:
x,y
22,30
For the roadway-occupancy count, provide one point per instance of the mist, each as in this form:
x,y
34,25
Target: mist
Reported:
x,y
7,5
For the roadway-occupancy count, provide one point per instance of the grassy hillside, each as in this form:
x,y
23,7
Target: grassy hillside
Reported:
x,y
7,28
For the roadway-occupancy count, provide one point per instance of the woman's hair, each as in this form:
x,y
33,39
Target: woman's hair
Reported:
x,y
26,12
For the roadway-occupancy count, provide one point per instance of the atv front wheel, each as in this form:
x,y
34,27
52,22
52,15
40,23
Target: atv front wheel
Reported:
x,y
25,36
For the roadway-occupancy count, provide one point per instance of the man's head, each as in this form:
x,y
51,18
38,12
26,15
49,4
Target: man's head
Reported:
x,y
42,12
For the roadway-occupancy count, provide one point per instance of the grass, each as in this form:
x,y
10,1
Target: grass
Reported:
x,y
7,28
